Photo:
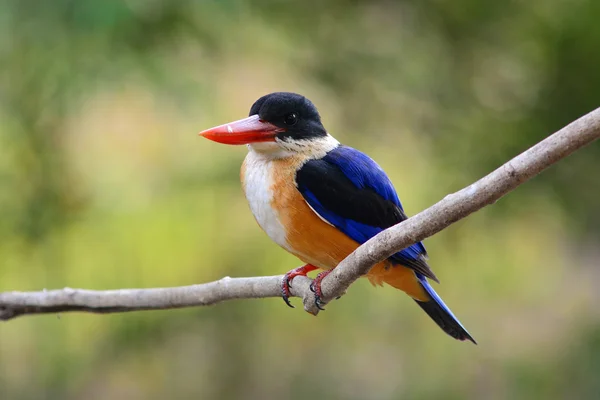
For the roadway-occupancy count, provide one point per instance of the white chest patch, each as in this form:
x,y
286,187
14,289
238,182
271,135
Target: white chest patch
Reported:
x,y
257,187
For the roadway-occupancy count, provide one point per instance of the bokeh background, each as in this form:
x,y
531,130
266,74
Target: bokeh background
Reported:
x,y
105,184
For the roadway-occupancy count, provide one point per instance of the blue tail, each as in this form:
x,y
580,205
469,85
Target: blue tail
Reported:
x,y
441,314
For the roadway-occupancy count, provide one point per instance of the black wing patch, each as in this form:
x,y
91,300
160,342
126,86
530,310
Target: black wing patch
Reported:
x,y
336,192
360,213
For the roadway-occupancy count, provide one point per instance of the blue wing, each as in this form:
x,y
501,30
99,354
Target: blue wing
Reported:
x,y
353,193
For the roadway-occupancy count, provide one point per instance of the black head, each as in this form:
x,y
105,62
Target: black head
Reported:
x,y
294,114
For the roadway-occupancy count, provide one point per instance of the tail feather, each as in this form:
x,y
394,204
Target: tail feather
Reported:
x,y
441,314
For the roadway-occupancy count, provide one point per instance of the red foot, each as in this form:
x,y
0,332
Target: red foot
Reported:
x,y
315,286
286,283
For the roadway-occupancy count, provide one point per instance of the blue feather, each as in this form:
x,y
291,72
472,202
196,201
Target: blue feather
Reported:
x,y
364,173
441,314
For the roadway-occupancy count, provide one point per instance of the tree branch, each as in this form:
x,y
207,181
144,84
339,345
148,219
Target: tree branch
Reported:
x,y
13,304
428,222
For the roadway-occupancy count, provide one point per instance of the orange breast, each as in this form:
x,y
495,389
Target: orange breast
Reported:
x,y
310,239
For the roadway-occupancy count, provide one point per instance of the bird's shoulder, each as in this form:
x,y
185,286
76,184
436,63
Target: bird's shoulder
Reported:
x,y
350,184
352,192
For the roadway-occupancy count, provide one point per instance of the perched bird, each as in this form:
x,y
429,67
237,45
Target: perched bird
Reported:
x,y
320,200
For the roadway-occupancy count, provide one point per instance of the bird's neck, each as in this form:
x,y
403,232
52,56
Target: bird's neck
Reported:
x,y
313,148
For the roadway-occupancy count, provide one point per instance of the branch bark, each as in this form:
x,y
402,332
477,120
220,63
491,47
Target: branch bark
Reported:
x,y
450,209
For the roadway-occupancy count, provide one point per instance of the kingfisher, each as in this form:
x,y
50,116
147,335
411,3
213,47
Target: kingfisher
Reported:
x,y
320,200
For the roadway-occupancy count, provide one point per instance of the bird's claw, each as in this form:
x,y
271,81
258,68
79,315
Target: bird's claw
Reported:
x,y
285,290
286,282
318,303
287,301
315,287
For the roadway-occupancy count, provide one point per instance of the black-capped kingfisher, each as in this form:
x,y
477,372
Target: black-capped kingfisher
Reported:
x,y
320,200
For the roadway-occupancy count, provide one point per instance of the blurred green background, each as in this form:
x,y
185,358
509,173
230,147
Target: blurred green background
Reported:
x,y
105,184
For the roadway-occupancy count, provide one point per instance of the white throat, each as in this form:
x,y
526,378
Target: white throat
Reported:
x,y
310,148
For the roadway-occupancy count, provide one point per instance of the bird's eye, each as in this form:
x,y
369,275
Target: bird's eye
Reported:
x,y
290,119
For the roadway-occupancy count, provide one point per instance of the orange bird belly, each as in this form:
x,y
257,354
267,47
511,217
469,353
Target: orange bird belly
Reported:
x,y
315,241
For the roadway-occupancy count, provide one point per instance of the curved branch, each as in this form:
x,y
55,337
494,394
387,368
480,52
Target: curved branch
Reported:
x,y
452,208
459,205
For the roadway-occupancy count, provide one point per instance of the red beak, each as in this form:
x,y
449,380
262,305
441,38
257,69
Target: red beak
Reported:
x,y
244,131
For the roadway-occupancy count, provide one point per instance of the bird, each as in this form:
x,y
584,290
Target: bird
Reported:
x,y
319,200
